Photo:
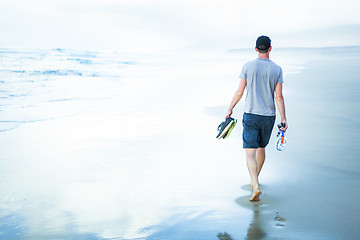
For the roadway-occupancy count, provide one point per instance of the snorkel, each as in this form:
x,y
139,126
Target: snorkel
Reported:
x,y
281,142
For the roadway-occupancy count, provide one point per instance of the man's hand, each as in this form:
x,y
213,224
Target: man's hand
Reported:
x,y
285,124
229,114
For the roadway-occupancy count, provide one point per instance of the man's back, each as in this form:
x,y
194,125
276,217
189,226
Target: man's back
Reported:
x,y
261,77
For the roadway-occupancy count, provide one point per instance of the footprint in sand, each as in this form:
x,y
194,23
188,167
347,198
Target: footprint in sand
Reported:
x,y
224,236
280,221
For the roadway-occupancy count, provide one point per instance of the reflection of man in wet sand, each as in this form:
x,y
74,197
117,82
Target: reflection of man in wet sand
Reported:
x,y
262,79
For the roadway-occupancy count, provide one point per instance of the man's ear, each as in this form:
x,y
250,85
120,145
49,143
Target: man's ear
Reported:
x,y
270,48
256,49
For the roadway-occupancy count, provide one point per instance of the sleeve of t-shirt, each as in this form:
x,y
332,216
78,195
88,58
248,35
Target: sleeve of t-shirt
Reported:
x,y
280,79
243,72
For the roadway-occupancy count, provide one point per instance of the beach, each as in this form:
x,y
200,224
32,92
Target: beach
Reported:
x,y
116,145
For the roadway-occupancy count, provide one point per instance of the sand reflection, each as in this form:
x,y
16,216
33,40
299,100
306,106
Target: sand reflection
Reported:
x,y
265,216
255,231
256,227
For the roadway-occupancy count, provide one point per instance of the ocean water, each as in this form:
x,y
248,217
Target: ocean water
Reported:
x,y
46,84
114,145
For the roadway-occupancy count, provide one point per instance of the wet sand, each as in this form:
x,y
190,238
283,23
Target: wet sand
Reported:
x,y
145,164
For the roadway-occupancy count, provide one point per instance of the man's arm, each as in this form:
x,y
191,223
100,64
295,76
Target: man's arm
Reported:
x,y
281,104
238,94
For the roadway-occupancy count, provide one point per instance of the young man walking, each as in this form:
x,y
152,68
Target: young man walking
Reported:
x,y
263,80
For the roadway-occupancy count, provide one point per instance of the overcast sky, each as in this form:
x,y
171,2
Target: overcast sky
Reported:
x,y
166,24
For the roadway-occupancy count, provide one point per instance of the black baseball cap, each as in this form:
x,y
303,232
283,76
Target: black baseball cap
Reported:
x,y
263,43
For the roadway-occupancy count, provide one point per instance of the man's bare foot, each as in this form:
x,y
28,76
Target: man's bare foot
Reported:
x,y
255,195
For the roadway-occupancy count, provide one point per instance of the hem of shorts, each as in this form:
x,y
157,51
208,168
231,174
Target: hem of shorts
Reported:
x,y
251,147
254,147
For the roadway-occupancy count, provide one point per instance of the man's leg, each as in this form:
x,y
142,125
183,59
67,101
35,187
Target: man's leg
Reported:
x,y
252,167
260,159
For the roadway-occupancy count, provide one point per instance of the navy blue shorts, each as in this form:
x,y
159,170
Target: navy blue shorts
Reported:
x,y
257,130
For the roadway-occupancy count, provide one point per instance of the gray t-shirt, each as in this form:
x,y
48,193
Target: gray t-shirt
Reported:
x,y
261,77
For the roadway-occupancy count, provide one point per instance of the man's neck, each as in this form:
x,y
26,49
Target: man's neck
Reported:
x,y
264,55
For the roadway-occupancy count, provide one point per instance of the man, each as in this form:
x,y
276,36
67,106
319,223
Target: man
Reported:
x,y
262,79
